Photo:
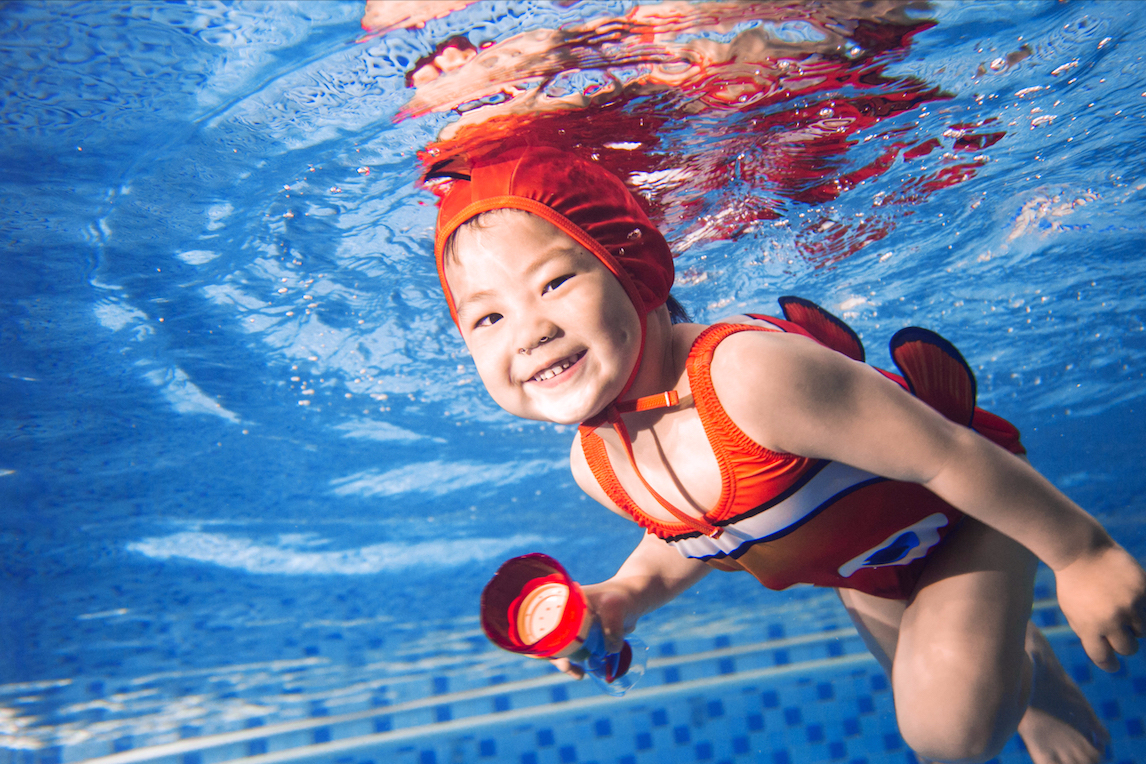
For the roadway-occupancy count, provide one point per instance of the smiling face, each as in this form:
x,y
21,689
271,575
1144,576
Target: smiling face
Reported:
x,y
553,334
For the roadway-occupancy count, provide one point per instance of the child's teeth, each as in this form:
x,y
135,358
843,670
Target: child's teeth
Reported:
x,y
552,371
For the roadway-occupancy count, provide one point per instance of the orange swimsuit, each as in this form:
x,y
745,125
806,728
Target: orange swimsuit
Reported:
x,y
788,519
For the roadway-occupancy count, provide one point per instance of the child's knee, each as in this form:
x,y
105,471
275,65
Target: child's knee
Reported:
x,y
948,724
942,738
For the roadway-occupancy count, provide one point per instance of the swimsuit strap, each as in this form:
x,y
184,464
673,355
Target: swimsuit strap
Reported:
x,y
594,448
613,416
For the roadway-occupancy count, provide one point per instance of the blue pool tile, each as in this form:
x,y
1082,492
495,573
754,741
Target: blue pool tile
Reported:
x,y
443,713
254,721
1139,685
257,747
188,758
775,631
668,649
703,751
497,679
441,685
627,759
188,730
754,722
559,694
383,724
892,742
567,754
865,704
878,683
529,757
660,717
603,728
792,716
824,691
427,756
781,756
722,642
1134,727
501,703
726,666
644,741
672,675
835,648
544,737
715,709
770,699
740,745
680,735
851,726
1110,710
121,744
1047,618
487,747
837,750
815,733
1080,672
321,735
780,657
317,709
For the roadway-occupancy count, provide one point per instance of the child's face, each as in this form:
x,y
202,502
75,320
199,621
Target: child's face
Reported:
x,y
552,332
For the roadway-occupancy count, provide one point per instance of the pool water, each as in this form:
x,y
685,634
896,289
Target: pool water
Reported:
x,y
251,487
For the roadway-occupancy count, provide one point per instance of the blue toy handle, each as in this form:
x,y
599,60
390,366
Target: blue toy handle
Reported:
x,y
614,673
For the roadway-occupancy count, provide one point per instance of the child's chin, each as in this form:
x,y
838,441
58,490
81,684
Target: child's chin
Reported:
x,y
570,416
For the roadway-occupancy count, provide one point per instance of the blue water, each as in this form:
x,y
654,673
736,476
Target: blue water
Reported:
x,y
248,476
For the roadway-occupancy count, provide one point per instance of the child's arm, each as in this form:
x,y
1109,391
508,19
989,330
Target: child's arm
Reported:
x,y
790,394
652,575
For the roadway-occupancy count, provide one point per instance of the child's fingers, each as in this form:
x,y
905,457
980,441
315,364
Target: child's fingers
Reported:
x,y
1123,641
564,666
1100,652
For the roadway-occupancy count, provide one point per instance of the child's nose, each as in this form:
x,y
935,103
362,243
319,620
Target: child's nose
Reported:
x,y
537,336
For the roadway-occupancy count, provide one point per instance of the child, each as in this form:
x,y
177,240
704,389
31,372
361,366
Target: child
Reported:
x,y
757,446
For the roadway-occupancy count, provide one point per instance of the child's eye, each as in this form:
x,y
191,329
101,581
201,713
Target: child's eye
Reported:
x,y
557,282
489,320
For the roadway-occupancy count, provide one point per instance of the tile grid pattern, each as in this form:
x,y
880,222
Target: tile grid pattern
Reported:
x,y
813,698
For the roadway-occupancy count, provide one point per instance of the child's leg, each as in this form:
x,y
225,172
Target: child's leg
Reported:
x,y
960,657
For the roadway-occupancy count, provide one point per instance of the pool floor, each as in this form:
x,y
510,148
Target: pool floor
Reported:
x,y
811,698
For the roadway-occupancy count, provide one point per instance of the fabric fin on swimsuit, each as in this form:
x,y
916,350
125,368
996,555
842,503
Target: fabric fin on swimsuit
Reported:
x,y
822,325
936,373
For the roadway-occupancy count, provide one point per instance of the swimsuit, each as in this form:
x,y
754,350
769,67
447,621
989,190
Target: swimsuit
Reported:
x,y
789,519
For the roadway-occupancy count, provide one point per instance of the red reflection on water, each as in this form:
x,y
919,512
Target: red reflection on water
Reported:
x,y
720,115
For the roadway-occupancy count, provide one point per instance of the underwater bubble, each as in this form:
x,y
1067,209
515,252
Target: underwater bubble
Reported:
x,y
634,234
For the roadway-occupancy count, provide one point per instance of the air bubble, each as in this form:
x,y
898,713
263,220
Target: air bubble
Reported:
x,y
826,112
363,170
634,234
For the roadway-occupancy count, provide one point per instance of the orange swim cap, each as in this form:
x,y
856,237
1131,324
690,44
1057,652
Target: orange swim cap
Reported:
x,y
586,202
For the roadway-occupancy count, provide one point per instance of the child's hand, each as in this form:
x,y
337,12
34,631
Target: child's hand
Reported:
x,y
1103,595
610,605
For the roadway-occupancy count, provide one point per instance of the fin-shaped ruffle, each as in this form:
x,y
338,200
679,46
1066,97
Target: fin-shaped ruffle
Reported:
x,y
828,329
936,373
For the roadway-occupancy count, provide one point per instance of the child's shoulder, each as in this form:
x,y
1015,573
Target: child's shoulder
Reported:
x,y
748,352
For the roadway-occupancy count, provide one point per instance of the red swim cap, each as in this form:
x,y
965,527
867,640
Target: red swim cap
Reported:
x,y
586,202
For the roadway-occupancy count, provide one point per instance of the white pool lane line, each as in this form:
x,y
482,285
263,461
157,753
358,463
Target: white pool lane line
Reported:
x,y
498,718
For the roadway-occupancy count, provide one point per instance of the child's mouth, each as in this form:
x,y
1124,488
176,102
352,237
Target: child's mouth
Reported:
x,y
557,368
